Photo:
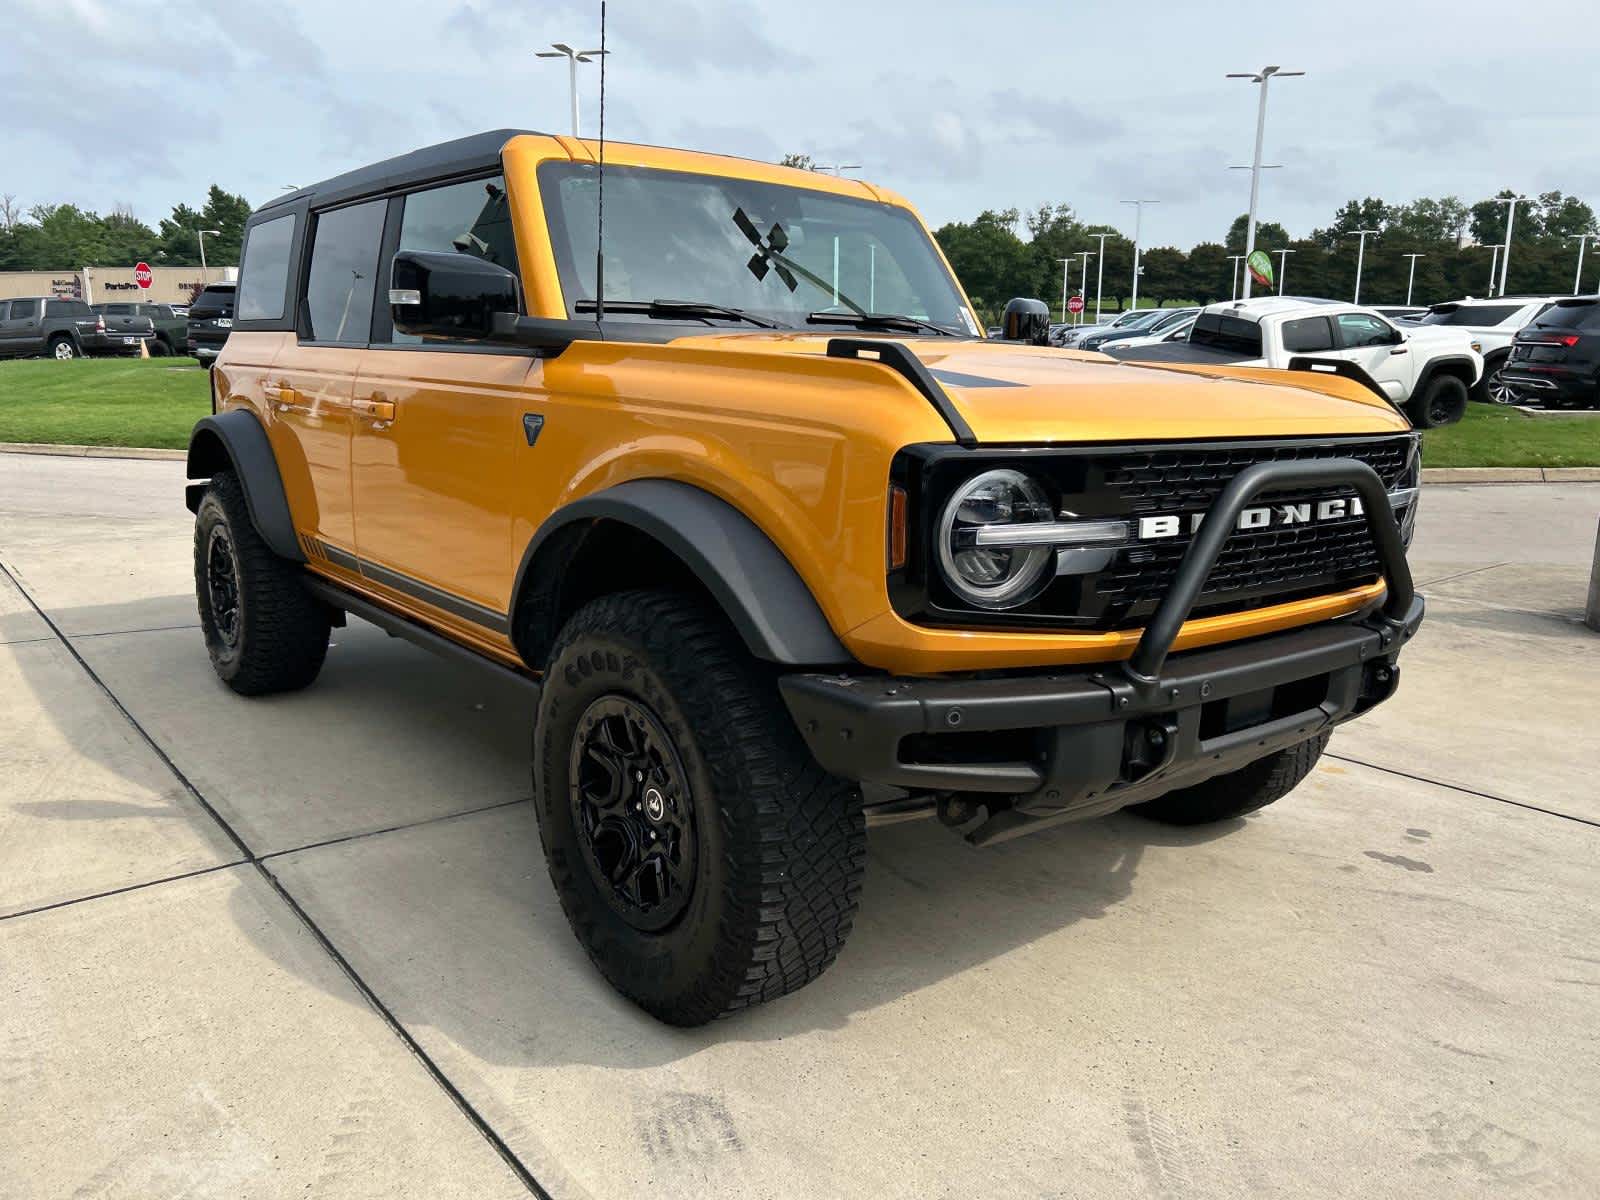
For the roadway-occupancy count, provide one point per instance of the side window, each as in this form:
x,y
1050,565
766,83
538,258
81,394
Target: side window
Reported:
x,y
264,270
5,309
1357,330
22,310
344,266
1307,335
463,218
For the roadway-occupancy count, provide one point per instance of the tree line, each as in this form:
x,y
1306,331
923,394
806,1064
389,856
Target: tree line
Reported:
x,y
1004,253
60,237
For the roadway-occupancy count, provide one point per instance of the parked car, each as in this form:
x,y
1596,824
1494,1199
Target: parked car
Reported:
x,y
743,581
1074,334
61,329
1162,324
1400,312
1425,371
210,321
1492,324
1556,360
1172,333
169,329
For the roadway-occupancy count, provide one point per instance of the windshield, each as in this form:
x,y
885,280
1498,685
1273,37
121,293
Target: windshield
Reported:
x,y
1134,317
781,253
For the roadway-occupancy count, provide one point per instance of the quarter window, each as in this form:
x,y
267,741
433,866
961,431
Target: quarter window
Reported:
x,y
1307,335
264,271
463,218
344,266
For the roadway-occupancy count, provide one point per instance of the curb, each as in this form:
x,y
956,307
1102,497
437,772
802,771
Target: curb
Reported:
x,y
65,451
1511,474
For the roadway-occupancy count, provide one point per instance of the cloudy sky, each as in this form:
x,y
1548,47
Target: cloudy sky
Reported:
x,y
959,105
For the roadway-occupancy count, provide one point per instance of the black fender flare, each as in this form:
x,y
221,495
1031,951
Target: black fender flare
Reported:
x,y
1433,367
236,440
745,572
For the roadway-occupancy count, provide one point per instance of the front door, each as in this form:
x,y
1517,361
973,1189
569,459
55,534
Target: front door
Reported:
x,y
309,387
439,430
1378,348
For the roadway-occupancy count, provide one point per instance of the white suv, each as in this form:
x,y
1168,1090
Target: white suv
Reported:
x,y
1491,324
1424,370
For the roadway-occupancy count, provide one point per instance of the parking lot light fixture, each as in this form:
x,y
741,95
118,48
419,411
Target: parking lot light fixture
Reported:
x,y
1411,276
1581,239
1263,77
1100,273
1237,259
1283,266
1083,286
202,235
1511,214
573,57
1361,257
1138,228
1494,267
1066,264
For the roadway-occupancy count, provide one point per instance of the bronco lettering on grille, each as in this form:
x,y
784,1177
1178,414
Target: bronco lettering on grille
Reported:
x,y
1267,516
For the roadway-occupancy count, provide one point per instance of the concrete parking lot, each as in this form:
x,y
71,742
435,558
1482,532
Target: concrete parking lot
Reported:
x,y
306,945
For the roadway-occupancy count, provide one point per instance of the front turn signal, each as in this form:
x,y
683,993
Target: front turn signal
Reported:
x,y
897,528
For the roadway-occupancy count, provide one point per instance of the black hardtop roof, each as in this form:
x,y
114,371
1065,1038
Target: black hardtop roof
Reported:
x,y
419,166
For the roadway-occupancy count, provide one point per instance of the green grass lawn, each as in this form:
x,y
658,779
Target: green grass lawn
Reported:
x,y
102,401
1490,436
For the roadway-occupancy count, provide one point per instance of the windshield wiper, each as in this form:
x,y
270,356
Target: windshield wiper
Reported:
x,y
868,320
667,309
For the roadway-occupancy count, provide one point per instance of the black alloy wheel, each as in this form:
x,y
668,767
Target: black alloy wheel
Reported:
x,y
222,584
632,812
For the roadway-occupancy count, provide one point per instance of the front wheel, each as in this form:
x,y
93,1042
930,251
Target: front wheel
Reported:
x,y
1493,388
703,859
1442,402
1251,787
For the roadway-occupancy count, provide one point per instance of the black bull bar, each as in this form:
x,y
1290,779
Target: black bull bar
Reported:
x,y
1117,734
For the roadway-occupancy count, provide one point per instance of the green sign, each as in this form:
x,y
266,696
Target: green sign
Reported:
x,y
1260,265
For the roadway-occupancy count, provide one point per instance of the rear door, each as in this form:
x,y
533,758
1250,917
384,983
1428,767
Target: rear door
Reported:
x,y
23,327
310,384
439,427
1379,349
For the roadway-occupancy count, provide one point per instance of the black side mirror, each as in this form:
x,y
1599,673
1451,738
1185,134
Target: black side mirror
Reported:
x,y
433,294
1026,321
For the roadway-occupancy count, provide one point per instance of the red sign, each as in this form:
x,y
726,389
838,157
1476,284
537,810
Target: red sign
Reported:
x,y
143,275
1075,305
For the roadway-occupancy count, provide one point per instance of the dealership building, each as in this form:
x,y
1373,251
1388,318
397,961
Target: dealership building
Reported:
x,y
100,285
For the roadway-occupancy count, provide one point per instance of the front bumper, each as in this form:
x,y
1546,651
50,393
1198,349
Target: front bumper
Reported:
x,y
1068,745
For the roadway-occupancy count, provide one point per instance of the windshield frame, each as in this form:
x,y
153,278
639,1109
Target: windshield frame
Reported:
x,y
550,172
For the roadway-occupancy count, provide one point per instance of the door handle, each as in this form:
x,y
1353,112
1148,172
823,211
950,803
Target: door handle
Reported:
x,y
1399,350
284,396
375,408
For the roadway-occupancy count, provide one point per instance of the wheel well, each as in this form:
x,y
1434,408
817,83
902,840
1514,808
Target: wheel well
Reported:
x,y
207,455
582,562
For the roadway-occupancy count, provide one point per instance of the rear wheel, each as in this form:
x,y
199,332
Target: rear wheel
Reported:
x,y
158,348
1239,792
61,348
264,631
703,859
1442,402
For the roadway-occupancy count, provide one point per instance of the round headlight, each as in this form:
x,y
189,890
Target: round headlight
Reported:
x,y
992,575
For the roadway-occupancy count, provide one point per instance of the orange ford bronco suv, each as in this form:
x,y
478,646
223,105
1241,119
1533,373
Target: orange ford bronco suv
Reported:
x,y
778,540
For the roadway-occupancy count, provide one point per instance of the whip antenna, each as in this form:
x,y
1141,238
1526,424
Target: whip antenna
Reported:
x,y
600,224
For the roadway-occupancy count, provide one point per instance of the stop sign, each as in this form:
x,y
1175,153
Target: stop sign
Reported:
x,y
1075,305
143,275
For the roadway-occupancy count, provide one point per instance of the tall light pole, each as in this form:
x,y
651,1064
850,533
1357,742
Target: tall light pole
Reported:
x,y
1283,266
573,57
1581,239
1361,256
1066,263
1263,77
1511,213
1100,273
1494,267
1411,278
1083,286
202,235
1237,259
1138,227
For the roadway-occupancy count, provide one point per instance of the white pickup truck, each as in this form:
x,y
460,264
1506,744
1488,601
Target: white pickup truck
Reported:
x,y
1425,370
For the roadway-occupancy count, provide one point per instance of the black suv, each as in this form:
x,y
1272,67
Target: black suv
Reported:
x,y
60,328
210,322
1556,360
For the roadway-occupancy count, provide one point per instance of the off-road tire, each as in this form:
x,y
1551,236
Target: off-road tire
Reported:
x,y
282,630
1251,787
61,348
1442,402
781,844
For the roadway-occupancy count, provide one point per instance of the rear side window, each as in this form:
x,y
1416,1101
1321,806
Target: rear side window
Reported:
x,y
264,271
5,309
1570,316
22,309
344,266
1473,314
1233,334
461,218
1307,335
64,308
